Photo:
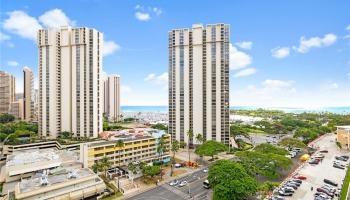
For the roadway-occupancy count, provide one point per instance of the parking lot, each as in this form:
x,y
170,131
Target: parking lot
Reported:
x,y
316,173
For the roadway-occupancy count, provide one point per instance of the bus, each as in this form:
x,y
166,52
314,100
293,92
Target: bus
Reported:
x,y
206,184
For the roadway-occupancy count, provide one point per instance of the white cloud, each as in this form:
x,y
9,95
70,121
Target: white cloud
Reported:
x,y
109,47
161,79
245,44
142,16
238,59
4,37
55,18
329,86
157,11
125,89
245,72
348,28
270,83
315,42
20,23
280,52
12,63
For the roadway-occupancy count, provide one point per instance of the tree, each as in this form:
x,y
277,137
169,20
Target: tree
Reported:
x,y
66,134
132,167
190,139
120,145
240,185
160,127
174,148
103,165
199,138
269,148
183,144
290,143
6,118
151,171
161,149
265,164
210,148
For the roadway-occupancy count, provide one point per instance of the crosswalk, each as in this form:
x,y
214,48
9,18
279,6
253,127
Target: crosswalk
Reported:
x,y
176,191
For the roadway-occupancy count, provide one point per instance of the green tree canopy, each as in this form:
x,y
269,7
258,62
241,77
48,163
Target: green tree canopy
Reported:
x,y
6,118
230,181
210,148
269,148
151,170
292,143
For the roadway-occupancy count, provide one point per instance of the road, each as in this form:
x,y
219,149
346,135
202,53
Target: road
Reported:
x,y
194,189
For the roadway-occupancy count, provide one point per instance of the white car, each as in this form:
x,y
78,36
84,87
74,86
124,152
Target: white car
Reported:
x,y
205,170
183,183
174,182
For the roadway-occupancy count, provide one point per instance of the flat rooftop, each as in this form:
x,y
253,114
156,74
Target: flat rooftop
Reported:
x,y
347,127
27,157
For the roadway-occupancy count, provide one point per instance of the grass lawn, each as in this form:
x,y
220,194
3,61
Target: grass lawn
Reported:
x,y
345,187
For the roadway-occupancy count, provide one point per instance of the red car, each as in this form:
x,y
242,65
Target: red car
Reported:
x,y
300,177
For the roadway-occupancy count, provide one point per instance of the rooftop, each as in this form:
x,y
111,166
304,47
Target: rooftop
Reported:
x,y
347,127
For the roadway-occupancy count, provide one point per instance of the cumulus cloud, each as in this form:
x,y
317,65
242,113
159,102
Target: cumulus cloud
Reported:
x,y
238,59
245,72
12,63
145,13
109,47
55,18
280,52
245,44
142,16
277,84
20,23
315,42
161,80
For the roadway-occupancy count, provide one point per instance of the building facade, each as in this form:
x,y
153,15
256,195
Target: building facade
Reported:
x,y
70,85
16,109
343,136
28,94
112,97
7,91
199,82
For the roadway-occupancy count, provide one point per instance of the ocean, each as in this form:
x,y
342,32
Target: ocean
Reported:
x,y
164,109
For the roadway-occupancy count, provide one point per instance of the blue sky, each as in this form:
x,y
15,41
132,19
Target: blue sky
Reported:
x,y
284,53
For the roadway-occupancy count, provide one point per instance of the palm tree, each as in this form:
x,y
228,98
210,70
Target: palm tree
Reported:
x,y
190,138
199,138
133,169
161,148
120,145
174,148
105,165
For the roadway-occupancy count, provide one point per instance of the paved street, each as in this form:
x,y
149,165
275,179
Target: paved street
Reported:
x,y
316,173
167,192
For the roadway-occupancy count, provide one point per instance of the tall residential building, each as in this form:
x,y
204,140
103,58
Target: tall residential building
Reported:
x,y
28,94
112,97
7,91
199,82
16,109
70,85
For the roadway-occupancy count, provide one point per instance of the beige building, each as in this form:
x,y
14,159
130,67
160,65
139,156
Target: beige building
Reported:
x,y
112,97
199,82
343,136
16,109
28,94
70,82
7,91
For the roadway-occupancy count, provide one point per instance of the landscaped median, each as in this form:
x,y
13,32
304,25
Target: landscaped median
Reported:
x,y
345,188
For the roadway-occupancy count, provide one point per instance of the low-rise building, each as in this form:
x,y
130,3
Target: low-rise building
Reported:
x,y
48,174
16,109
343,136
139,145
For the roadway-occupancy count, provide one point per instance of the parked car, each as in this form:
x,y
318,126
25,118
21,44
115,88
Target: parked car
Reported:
x,y
205,170
339,166
324,151
283,193
178,165
174,182
324,190
300,177
277,198
330,188
293,182
330,182
342,158
288,189
314,161
183,183
319,155
297,180
322,195
295,187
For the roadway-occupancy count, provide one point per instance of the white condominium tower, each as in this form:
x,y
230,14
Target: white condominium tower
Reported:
x,y
7,91
28,94
70,84
112,97
199,83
